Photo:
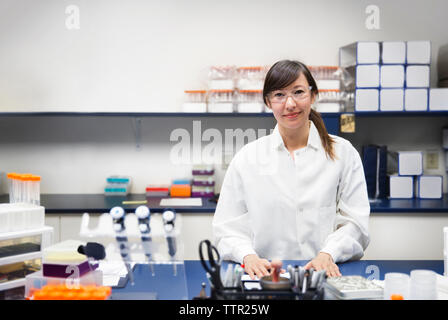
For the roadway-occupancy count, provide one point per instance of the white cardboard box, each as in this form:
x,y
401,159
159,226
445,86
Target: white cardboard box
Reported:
x,y
393,52
430,187
418,52
367,100
368,76
391,99
368,52
438,99
392,76
416,99
410,163
417,76
401,187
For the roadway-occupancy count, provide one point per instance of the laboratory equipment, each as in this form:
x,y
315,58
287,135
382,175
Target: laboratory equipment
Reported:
x,y
367,100
250,78
158,191
329,100
396,286
63,292
221,78
169,217
195,101
423,285
21,255
118,215
180,190
221,101
202,192
63,260
203,169
353,287
203,181
24,188
250,101
21,216
144,214
117,185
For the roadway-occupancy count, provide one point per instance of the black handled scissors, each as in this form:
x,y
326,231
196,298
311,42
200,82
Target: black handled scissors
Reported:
x,y
213,267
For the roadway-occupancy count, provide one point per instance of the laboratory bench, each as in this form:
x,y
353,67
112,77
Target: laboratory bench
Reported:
x,y
99,203
195,276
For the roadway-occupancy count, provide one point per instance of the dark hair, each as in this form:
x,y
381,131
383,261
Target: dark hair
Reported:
x,y
282,74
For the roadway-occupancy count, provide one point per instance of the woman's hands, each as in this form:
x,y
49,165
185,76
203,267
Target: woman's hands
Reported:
x,y
324,261
255,266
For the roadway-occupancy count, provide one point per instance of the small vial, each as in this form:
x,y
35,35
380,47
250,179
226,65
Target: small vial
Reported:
x,y
35,190
11,184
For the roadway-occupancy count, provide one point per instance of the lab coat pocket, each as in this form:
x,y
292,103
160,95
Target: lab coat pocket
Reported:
x,y
327,217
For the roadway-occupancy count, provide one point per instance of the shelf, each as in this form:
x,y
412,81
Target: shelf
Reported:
x,y
219,115
20,258
99,203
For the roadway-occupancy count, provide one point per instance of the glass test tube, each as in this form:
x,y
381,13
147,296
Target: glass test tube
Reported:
x,y
35,190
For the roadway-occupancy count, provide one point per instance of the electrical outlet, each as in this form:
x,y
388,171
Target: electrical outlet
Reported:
x,y
432,160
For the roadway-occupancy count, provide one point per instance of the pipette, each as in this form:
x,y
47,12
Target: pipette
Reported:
x,y
118,214
144,214
169,216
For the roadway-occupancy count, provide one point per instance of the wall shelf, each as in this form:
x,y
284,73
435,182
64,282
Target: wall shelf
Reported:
x,y
99,203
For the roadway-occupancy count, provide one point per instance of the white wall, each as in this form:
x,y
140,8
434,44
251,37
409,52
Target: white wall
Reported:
x,y
142,55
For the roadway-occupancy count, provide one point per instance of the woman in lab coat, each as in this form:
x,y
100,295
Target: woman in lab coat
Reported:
x,y
296,194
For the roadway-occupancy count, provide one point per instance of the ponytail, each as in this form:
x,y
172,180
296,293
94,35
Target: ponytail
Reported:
x,y
327,141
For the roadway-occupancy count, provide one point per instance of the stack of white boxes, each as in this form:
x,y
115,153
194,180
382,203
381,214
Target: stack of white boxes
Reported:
x,y
411,182
389,75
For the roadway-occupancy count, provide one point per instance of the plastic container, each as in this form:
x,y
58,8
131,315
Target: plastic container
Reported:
x,y
35,190
203,169
204,181
221,77
117,185
204,192
36,281
180,190
11,186
195,101
158,191
21,216
251,78
423,285
330,101
250,101
396,286
220,101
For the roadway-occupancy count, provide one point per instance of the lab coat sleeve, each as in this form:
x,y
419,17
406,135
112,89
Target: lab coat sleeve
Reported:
x,y
350,236
231,228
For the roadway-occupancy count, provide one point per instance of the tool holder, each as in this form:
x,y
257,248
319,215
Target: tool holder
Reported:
x,y
240,293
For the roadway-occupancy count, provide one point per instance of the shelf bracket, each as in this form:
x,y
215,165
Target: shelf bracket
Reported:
x,y
137,126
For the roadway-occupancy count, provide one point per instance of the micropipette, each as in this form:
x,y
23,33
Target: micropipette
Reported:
x,y
118,214
168,223
143,214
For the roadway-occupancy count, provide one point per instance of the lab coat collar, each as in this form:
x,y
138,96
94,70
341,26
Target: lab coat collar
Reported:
x,y
313,138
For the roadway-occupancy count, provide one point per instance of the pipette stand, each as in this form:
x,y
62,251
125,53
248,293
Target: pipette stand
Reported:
x,y
164,252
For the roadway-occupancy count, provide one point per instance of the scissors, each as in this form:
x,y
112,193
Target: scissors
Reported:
x,y
213,267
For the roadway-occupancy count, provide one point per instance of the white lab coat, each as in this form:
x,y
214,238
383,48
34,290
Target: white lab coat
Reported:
x,y
279,207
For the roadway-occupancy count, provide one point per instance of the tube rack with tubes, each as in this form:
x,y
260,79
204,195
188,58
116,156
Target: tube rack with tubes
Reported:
x,y
250,78
24,188
195,101
221,78
250,101
220,101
